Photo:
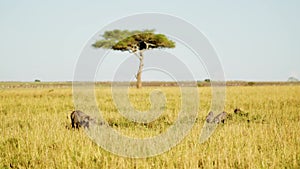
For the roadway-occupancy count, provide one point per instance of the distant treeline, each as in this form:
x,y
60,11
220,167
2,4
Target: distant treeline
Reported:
x,y
145,84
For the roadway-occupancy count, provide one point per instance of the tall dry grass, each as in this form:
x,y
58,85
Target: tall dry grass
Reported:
x,y
34,134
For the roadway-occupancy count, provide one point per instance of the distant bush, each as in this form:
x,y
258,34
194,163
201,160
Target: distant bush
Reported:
x,y
200,84
292,79
251,83
206,80
37,80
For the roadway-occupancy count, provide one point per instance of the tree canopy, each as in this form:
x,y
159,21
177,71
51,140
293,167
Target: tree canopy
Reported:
x,y
133,41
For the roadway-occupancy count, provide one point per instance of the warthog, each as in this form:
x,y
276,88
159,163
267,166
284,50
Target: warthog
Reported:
x,y
219,118
80,119
239,112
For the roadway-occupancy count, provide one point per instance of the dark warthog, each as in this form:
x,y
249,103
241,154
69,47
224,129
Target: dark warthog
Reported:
x,y
80,119
239,112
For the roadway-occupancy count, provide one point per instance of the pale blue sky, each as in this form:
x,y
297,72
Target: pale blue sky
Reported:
x,y
255,40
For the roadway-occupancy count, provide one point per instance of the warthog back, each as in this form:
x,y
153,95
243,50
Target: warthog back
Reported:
x,y
80,119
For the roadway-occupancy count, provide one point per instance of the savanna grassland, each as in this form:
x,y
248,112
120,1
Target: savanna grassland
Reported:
x,y
34,127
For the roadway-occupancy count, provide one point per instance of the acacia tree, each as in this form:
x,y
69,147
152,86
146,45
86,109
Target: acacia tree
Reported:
x,y
134,42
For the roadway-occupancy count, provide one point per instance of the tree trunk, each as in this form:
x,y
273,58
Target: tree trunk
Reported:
x,y
139,73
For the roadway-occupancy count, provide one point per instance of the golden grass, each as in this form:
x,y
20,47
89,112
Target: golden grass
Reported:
x,y
33,133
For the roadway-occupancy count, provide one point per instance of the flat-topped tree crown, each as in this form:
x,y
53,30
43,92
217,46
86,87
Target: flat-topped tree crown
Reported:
x,y
135,42
143,41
